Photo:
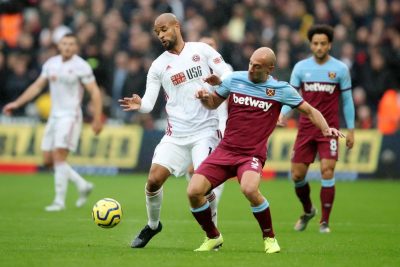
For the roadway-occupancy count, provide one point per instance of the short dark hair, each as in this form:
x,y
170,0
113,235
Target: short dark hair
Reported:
x,y
320,29
70,34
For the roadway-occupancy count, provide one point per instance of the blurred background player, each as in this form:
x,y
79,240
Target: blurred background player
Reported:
x,y
192,131
322,80
255,101
65,74
222,111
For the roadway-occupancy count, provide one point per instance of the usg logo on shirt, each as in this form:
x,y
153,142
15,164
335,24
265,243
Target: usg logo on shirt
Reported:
x,y
249,101
187,75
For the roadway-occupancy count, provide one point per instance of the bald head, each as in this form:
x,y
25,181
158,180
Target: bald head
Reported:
x,y
168,31
262,63
166,18
265,55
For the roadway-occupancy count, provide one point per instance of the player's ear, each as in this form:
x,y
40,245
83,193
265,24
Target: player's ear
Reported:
x,y
271,68
177,25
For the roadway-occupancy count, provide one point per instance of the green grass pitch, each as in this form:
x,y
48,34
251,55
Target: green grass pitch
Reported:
x,y
365,226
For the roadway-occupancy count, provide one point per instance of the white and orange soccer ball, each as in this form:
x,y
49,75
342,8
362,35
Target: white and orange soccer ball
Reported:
x,y
107,213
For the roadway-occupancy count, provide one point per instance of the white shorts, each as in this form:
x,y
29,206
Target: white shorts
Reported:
x,y
63,132
177,153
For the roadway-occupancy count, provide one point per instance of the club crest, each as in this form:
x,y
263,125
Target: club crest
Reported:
x,y
196,58
217,60
270,92
332,75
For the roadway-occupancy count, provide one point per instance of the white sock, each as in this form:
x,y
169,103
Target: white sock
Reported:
x,y
218,192
60,182
78,180
212,199
153,205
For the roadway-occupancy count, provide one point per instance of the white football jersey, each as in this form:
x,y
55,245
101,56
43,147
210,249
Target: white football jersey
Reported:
x,y
181,76
65,81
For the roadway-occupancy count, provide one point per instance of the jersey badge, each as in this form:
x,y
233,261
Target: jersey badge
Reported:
x,y
196,58
217,60
270,92
332,75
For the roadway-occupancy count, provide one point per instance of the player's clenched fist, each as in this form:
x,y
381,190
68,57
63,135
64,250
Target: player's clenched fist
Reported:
x,y
130,103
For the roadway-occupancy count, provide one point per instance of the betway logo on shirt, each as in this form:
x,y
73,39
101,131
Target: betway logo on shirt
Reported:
x,y
249,101
319,87
190,74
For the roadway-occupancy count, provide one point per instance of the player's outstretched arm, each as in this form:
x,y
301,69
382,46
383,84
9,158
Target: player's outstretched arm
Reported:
x,y
210,100
33,90
318,120
95,96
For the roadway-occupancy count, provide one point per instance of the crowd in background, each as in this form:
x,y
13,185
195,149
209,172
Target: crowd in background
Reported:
x,y
117,39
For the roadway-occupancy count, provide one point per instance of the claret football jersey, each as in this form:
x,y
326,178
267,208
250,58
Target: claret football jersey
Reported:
x,y
253,111
321,86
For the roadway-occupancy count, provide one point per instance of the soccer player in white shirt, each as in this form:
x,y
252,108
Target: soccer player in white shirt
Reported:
x,y
222,111
192,130
65,73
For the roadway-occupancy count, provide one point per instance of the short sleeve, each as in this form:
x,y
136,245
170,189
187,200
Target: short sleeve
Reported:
x,y
225,88
291,97
345,79
86,74
295,78
45,70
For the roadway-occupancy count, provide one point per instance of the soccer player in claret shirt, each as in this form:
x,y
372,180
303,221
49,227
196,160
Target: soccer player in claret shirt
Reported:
x,y
255,101
322,81
192,130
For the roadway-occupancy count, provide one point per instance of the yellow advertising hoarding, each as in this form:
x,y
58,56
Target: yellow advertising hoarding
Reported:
x,y
363,157
117,146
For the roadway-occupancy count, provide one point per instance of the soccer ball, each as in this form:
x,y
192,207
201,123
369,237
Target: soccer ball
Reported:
x,y
107,213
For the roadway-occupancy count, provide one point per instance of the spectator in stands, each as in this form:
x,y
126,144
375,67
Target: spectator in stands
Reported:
x,y
102,26
3,79
119,77
389,112
376,78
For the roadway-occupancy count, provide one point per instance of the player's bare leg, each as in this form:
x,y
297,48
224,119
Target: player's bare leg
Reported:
x,y
249,185
327,193
154,196
213,197
48,159
302,188
201,211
